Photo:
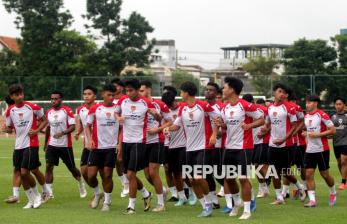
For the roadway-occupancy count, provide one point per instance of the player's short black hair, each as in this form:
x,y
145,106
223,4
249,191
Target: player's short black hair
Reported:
x,y
280,86
9,101
132,83
15,88
248,97
168,98
171,89
260,101
341,99
58,92
109,87
190,88
117,81
215,85
234,83
313,98
146,83
220,91
92,88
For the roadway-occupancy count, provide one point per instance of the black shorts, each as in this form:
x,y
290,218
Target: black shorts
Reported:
x,y
261,154
177,158
297,156
154,153
85,157
280,158
166,155
320,158
27,158
133,156
64,153
103,158
195,157
240,158
338,150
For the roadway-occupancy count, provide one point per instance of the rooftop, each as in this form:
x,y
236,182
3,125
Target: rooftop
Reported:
x,y
255,46
10,43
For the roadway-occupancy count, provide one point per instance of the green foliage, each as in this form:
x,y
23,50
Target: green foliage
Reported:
x,y
180,76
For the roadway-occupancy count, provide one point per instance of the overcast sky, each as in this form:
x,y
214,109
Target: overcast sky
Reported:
x,y
206,25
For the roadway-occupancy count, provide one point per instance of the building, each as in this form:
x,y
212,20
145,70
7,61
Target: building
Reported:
x,y
164,54
343,31
9,43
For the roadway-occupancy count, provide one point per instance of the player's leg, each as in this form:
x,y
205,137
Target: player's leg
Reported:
x,y
107,181
122,175
275,160
323,166
343,170
16,180
310,185
94,164
52,159
84,164
175,161
169,176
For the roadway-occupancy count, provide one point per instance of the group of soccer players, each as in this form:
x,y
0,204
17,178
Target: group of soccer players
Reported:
x,y
131,131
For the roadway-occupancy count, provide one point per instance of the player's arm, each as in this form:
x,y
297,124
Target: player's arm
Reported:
x,y
300,125
47,134
119,145
288,135
256,123
88,132
155,114
42,124
331,130
79,128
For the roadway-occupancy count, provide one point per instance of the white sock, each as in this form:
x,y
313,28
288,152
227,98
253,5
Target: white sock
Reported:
x,y
144,192
107,199
16,192
80,183
332,190
182,195
49,188
132,202
305,185
279,195
264,187
236,198
252,195
29,195
45,188
185,186
160,198
191,192
311,195
123,179
35,191
173,192
228,200
285,189
247,207
96,190
213,196
202,202
221,189
299,185
208,199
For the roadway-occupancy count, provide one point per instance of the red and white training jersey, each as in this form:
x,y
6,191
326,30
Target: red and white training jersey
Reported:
x,y
82,114
218,106
196,124
135,118
22,119
280,118
255,131
116,99
177,139
59,120
301,116
163,110
105,127
317,122
234,116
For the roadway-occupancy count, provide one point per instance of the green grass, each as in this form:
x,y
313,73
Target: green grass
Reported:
x,y
68,207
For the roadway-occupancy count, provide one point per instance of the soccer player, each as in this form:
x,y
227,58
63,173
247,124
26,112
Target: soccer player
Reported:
x,y
318,127
23,117
239,117
119,94
61,123
132,113
281,121
194,117
214,156
89,97
102,132
339,118
155,144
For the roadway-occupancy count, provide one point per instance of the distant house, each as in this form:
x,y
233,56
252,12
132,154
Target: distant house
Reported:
x,y
9,43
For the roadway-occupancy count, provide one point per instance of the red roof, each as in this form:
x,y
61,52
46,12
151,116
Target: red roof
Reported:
x,y
10,43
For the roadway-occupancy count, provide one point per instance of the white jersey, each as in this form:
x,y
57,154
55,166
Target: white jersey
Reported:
x,y
22,119
135,118
82,113
105,127
218,106
196,124
177,139
317,122
59,120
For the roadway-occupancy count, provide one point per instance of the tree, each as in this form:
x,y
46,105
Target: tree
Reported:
x,y
126,39
261,70
179,76
340,41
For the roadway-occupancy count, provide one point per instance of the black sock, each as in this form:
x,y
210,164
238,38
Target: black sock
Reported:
x,y
343,181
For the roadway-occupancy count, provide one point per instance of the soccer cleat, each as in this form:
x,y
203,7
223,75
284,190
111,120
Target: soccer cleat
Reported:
x,y
83,191
173,199
278,202
220,193
303,195
96,200
147,202
245,215
125,191
105,207
159,208
181,202
37,201
253,205
12,200
46,197
286,195
235,211
129,211
226,210
215,206
342,186
310,204
207,212
332,200
262,194
192,199
29,205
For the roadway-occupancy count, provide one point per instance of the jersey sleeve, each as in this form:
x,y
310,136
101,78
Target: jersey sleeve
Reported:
x,y
38,111
165,111
70,116
91,115
252,111
8,119
211,112
292,114
178,120
326,120
299,113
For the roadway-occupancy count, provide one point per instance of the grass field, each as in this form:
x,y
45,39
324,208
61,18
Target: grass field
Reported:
x,y
68,207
